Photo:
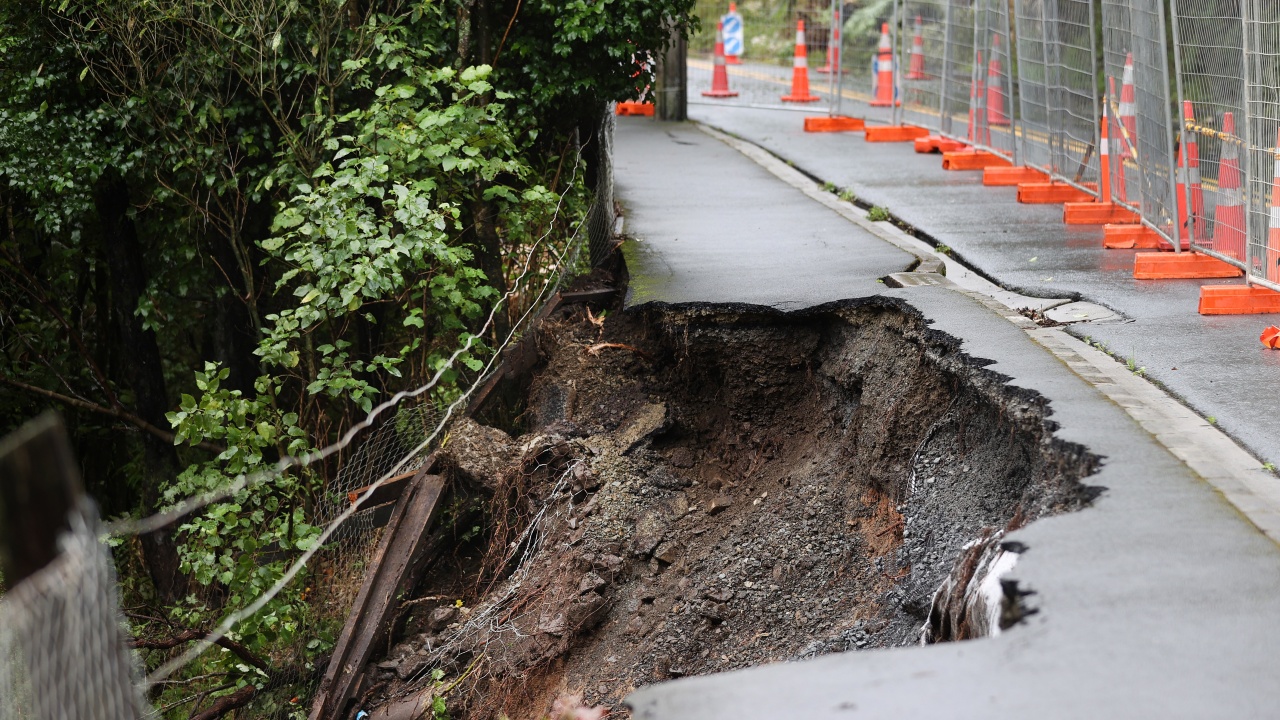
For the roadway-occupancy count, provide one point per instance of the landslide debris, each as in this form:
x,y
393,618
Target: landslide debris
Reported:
x,y
698,490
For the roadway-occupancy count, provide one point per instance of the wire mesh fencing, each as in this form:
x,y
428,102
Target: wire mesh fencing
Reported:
x,y
992,97
62,650
1138,99
1058,89
922,58
1261,20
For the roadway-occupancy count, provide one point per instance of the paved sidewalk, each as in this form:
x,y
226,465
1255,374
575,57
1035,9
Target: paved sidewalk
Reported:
x,y
1213,363
1160,600
706,239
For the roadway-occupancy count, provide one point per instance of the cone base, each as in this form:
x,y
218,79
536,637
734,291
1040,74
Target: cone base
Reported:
x,y
719,93
1181,266
732,60
884,103
1238,300
1011,176
800,98
825,70
971,160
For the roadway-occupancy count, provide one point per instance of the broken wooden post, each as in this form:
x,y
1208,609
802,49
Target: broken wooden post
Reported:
x,y
396,567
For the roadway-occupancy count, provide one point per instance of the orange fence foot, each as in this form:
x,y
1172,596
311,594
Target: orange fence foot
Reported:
x,y
971,160
634,108
938,144
1010,176
1181,266
1097,213
1139,237
1238,300
894,133
833,124
1044,193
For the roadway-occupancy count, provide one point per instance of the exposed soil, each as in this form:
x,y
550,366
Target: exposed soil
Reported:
x,y
698,490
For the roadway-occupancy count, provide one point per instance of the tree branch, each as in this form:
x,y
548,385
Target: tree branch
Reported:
x,y
186,636
118,413
226,704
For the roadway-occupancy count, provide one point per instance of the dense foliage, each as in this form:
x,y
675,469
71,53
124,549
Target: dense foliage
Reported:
x,y
231,226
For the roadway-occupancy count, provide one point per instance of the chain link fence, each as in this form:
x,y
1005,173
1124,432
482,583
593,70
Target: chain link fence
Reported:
x,y
62,648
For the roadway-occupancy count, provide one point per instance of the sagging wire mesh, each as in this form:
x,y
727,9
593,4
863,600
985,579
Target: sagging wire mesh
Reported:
x,y
921,59
62,646
1058,90
603,213
763,71
532,501
1138,96
993,113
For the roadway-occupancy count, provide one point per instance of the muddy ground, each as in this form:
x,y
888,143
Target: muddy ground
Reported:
x,y
698,490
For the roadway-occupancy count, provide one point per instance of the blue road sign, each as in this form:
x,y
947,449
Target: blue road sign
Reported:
x,y
732,34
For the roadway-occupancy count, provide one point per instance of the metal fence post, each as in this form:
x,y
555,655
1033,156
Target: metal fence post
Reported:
x,y
1177,113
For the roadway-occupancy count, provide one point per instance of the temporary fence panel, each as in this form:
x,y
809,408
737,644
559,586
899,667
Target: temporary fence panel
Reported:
x,y
1137,93
992,96
922,59
1058,90
865,28
762,73
1261,19
958,71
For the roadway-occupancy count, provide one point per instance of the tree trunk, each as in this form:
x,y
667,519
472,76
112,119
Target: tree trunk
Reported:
x,y
142,371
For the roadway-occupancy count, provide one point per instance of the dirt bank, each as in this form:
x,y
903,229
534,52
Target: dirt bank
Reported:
x,y
698,490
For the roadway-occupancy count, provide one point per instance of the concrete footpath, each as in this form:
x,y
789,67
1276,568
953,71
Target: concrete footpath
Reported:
x,y
1215,364
1162,599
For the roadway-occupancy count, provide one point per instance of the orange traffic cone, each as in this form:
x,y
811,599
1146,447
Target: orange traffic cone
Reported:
x,y
1271,337
833,46
1228,217
800,71
1189,173
1128,108
719,74
996,99
916,69
884,96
